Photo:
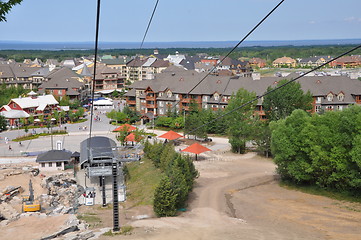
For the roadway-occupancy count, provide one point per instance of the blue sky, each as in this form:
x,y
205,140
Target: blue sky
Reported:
x,y
185,20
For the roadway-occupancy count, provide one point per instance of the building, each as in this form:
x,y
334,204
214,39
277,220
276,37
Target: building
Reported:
x,y
139,69
64,82
176,87
33,105
108,79
18,74
284,62
257,62
347,61
54,160
314,61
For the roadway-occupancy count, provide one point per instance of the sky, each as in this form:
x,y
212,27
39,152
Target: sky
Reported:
x,y
182,20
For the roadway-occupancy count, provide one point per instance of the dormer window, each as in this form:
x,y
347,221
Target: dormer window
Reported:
x,y
341,97
216,96
169,94
330,97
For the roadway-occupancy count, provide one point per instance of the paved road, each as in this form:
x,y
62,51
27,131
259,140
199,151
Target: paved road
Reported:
x,y
71,141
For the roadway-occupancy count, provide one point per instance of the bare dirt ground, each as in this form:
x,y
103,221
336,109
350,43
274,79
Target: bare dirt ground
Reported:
x,y
239,198
235,197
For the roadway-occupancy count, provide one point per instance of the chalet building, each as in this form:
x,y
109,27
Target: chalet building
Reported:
x,y
18,74
314,61
169,90
64,82
119,63
139,69
23,107
284,62
257,62
347,61
107,78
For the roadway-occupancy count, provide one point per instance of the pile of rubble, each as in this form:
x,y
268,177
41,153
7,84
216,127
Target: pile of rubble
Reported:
x,y
63,194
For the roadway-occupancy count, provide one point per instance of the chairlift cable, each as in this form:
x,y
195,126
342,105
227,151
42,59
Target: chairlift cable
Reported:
x,y
276,88
233,49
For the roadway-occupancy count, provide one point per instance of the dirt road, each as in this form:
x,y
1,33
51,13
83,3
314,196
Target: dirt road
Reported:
x,y
238,198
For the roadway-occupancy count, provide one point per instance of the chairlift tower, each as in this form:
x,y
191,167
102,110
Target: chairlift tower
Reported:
x,y
102,159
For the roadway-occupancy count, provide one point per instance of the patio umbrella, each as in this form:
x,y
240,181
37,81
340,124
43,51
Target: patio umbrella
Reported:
x,y
171,135
123,127
131,138
196,148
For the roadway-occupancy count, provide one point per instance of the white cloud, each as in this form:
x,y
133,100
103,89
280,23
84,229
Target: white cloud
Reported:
x,y
312,22
352,19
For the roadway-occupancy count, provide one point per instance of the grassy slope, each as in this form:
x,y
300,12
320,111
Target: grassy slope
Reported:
x,y
144,178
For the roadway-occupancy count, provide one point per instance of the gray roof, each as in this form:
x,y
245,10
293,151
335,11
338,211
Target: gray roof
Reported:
x,y
181,82
60,79
54,156
97,148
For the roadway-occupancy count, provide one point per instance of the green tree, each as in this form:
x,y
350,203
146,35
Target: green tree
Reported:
x,y
2,123
5,8
241,121
165,199
281,103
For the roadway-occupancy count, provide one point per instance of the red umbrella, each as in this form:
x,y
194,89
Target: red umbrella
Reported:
x,y
123,127
171,135
196,148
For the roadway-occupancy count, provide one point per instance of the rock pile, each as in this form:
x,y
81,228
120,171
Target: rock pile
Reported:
x,y
63,194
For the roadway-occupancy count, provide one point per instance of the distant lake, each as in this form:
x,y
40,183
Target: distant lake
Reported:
x,y
56,46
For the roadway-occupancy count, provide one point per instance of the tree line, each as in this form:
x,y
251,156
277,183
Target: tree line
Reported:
x,y
267,53
179,174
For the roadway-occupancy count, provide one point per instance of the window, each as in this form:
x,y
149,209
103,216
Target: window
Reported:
x,y
169,94
341,97
42,164
339,107
318,99
330,97
318,108
14,105
50,164
329,108
161,111
60,92
58,164
216,96
161,103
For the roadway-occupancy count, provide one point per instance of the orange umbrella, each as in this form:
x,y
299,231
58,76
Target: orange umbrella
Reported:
x,y
171,135
123,127
131,138
196,148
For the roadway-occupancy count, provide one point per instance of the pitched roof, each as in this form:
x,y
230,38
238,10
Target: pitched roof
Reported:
x,y
28,102
54,156
62,78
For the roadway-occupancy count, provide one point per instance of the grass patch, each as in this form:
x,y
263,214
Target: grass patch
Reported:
x,y
79,121
144,178
31,136
125,230
90,218
314,190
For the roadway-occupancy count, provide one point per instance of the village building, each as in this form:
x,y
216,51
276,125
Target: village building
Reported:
x,y
347,61
171,90
64,82
257,62
33,105
314,61
284,62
